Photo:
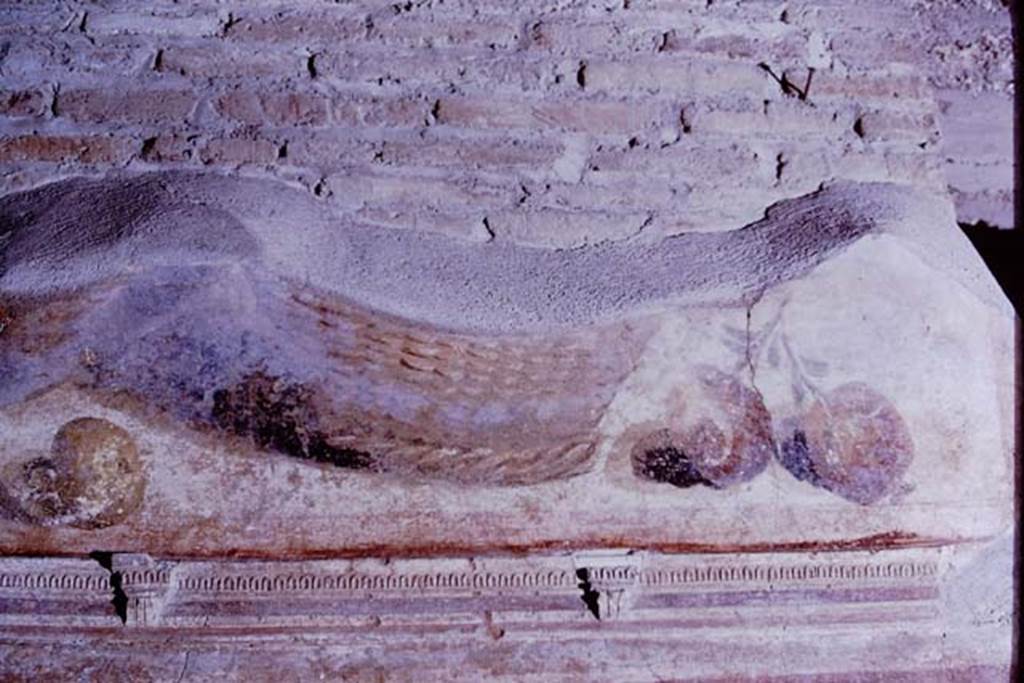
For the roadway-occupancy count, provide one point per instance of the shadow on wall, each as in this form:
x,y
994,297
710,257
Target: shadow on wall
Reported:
x,y
1002,249
1003,252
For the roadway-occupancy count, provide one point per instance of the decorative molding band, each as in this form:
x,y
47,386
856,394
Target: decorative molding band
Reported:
x,y
54,581
222,593
534,617
808,571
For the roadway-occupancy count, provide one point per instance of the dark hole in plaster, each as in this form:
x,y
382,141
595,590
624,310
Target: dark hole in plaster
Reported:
x,y
493,630
780,165
591,598
684,121
147,147
120,599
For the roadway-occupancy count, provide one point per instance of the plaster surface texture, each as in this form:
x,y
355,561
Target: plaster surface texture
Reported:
x,y
570,341
276,385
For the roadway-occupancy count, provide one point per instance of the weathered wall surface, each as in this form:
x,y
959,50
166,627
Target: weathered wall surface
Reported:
x,y
277,425
544,121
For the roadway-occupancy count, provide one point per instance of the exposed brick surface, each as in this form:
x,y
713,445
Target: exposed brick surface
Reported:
x,y
171,147
588,116
219,61
299,27
275,108
125,105
240,150
559,121
87,150
679,75
31,102
383,111
166,21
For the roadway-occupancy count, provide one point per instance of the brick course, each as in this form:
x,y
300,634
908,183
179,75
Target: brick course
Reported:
x,y
558,122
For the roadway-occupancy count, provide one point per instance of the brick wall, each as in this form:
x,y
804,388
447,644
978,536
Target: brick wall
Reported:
x,y
552,122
